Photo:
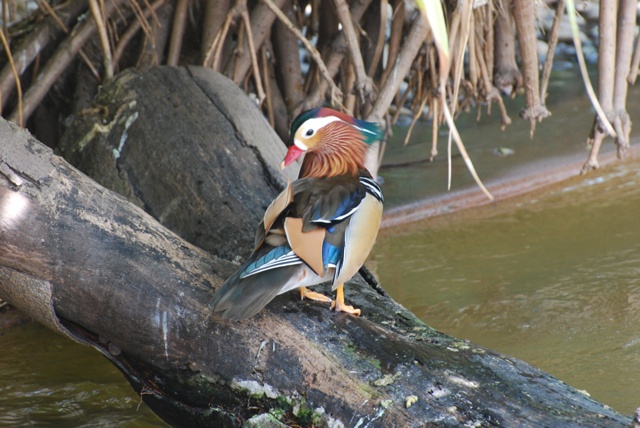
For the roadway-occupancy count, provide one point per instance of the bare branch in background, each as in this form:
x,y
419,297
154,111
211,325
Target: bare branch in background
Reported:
x,y
100,21
310,48
490,92
277,103
606,76
410,48
635,63
334,60
177,33
214,51
523,13
375,37
135,26
288,59
259,26
395,38
7,50
297,60
627,10
364,83
58,63
215,14
35,43
506,76
553,42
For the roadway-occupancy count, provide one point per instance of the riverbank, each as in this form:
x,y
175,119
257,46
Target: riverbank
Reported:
x,y
525,179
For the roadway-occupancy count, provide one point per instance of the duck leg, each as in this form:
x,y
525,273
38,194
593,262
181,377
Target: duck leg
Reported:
x,y
305,293
339,305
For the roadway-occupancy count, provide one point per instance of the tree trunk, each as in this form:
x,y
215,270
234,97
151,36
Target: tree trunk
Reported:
x,y
91,265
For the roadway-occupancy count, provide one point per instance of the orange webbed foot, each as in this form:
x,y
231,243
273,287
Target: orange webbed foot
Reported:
x,y
305,293
339,305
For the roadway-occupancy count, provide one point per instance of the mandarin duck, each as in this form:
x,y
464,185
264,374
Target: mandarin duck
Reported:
x,y
321,227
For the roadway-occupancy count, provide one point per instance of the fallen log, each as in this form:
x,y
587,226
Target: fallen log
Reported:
x,y
95,267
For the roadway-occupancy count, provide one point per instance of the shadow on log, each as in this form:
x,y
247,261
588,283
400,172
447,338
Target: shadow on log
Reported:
x,y
93,266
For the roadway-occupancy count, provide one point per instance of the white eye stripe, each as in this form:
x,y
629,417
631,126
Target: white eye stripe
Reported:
x,y
317,123
312,125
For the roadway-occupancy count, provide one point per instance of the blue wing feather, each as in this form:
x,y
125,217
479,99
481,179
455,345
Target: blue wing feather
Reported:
x,y
331,254
324,213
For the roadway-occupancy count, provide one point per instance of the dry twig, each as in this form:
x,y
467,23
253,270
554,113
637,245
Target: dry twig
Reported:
x,y
177,33
310,48
553,42
58,63
139,22
364,83
7,49
100,21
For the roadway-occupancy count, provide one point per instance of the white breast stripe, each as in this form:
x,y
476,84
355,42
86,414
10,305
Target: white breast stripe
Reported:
x,y
372,187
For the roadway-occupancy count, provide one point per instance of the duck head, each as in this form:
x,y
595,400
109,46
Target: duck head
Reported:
x,y
334,142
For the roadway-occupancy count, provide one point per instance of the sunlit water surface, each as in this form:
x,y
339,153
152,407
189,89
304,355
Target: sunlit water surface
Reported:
x,y
552,278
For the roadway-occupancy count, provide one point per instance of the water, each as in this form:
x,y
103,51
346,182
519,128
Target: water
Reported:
x,y
552,278
48,380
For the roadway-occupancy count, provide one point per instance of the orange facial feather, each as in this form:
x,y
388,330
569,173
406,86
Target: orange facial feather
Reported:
x,y
339,150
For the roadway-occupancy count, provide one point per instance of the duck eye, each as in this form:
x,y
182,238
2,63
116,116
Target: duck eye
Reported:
x,y
309,133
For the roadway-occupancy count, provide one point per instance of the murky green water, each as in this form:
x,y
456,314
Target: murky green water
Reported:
x,y
48,380
552,278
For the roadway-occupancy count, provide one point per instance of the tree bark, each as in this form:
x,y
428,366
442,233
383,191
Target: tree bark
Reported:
x,y
95,267
150,172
